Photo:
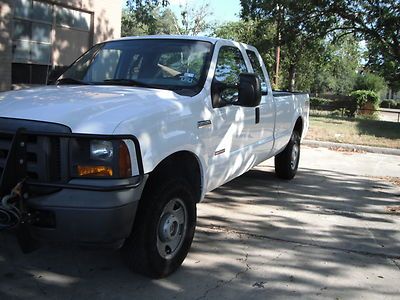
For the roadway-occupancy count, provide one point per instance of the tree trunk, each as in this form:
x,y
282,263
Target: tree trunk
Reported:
x,y
292,77
278,46
277,62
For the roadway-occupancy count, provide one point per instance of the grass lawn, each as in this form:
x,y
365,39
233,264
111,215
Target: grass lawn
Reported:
x,y
358,131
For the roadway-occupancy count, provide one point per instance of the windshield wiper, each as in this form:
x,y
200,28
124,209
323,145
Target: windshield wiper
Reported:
x,y
69,80
133,82
128,82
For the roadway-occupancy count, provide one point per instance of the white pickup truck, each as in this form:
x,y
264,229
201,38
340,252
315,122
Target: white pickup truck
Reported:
x,y
132,136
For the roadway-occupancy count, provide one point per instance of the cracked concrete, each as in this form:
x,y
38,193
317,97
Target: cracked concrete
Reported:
x,y
326,234
223,283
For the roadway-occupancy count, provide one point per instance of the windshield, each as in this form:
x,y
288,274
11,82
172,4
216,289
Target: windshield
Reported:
x,y
159,63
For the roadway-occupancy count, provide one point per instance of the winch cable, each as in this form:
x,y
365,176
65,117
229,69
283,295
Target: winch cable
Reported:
x,y
10,214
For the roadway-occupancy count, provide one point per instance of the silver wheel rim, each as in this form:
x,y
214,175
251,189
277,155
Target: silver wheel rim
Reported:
x,y
171,229
294,156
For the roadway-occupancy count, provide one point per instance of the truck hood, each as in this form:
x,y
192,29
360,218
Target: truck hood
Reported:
x,y
87,109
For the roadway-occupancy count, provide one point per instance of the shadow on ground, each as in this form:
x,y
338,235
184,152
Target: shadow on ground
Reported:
x,y
322,234
386,129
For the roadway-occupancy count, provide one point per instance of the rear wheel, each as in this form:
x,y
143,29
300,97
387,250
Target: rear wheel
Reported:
x,y
163,231
287,162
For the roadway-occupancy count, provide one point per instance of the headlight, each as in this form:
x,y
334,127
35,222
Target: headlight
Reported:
x,y
101,150
100,158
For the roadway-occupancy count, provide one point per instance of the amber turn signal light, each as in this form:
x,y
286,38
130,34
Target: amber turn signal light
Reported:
x,y
101,171
125,169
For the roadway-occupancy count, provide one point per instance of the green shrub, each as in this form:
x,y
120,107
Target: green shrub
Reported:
x,y
364,101
363,97
315,101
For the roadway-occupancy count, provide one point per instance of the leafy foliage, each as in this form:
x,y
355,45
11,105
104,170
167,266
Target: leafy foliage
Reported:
x,y
363,97
152,17
163,22
377,22
315,101
384,65
302,25
143,9
257,33
193,19
370,82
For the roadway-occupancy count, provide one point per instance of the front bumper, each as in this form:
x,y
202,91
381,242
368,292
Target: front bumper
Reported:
x,y
63,209
86,216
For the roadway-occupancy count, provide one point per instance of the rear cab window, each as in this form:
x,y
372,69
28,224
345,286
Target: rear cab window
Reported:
x,y
257,68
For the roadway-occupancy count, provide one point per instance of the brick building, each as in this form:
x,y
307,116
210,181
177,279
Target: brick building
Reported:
x,y
40,38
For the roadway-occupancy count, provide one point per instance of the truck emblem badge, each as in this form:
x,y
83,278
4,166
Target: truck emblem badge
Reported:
x,y
219,152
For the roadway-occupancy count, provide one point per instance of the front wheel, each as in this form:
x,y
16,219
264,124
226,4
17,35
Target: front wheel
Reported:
x,y
287,162
163,231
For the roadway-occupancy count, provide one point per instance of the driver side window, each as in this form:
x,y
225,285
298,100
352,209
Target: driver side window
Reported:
x,y
230,64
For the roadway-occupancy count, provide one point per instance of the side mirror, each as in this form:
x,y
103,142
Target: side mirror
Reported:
x,y
249,90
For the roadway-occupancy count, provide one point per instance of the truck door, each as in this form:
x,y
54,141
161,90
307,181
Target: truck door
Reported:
x,y
262,131
231,124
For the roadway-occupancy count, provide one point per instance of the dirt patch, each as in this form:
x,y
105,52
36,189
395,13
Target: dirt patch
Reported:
x,y
394,180
393,209
347,150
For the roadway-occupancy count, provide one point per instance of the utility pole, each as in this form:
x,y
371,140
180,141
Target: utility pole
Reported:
x,y
278,45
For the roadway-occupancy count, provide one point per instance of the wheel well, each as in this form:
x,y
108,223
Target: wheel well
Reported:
x,y
184,164
299,126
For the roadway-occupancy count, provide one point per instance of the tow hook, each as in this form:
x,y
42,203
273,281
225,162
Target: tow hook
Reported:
x,y
14,214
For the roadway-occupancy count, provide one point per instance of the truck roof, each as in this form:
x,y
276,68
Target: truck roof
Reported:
x,y
181,37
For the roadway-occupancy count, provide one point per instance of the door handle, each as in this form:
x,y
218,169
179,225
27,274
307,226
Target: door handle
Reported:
x,y
257,111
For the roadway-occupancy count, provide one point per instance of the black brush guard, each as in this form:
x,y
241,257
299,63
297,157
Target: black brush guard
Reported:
x,y
15,174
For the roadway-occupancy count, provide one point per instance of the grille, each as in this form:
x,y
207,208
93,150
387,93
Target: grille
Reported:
x,y
5,144
42,156
46,156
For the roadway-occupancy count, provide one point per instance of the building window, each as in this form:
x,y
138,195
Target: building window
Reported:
x,y
42,32
32,32
72,18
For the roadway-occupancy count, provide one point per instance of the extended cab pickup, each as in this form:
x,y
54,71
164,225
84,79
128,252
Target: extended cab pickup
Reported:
x,y
136,131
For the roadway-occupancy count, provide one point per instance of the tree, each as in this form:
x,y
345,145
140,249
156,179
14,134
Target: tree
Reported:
x,y
370,82
298,29
300,25
340,65
377,22
383,65
257,33
162,22
152,17
143,9
193,19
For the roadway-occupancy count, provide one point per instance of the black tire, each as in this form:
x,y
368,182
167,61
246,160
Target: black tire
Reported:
x,y
287,162
142,249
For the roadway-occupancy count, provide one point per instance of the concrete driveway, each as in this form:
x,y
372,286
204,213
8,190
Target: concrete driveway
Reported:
x,y
329,233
